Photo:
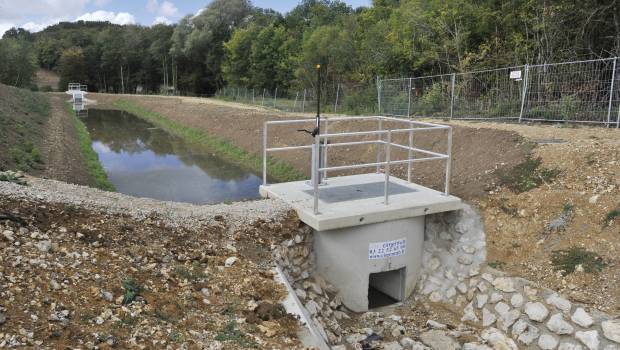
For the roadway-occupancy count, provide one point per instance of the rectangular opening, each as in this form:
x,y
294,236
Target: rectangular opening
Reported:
x,y
386,288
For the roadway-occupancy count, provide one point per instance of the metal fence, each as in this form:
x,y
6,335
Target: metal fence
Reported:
x,y
339,98
580,92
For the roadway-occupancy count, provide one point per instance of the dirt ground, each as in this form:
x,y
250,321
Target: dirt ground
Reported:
x,y
72,278
45,78
518,243
64,160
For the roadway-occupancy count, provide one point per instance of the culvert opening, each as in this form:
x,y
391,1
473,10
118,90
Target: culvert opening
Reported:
x,y
386,288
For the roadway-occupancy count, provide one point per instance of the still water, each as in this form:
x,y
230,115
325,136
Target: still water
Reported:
x,y
144,161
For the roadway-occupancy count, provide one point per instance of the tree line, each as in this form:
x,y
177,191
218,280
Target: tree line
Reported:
x,y
232,42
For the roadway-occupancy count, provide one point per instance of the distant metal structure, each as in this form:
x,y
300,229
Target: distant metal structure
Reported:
x,y
576,92
78,98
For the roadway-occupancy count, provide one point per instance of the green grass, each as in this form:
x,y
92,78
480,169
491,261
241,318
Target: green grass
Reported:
x,y
91,158
528,175
132,289
568,260
231,333
611,216
26,157
277,170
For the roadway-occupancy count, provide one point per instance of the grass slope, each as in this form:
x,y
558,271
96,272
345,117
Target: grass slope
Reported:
x,y
91,159
277,170
23,114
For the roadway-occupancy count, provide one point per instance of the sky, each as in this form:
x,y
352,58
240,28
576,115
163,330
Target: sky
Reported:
x,y
35,15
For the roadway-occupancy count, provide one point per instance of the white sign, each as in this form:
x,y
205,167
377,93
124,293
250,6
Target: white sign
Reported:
x,y
515,74
382,250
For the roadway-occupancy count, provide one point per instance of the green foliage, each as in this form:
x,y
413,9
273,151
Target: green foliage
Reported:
x,y
18,59
277,169
192,274
567,261
72,67
10,177
26,157
91,158
528,175
233,334
432,101
611,216
568,106
132,290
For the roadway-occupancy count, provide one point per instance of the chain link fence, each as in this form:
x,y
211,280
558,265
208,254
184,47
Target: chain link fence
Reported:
x,y
580,92
339,99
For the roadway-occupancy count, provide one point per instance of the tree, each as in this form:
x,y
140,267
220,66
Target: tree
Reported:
x,y
18,62
72,67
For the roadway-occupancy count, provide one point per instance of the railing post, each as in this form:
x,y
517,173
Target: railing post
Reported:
x,y
253,100
452,96
295,105
262,103
324,157
379,94
410,153
386,187
611,92
315,173
303,104
524,90
265,154
448,163
409,100
379,145
275,97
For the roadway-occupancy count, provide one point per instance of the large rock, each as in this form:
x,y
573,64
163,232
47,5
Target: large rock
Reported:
x,y
524,332
611,330
570,346
582,318
516,300
558,326
590,339
559,302
498,340
439,340
536,311
469,315
505,284
547,342
488,318
392,346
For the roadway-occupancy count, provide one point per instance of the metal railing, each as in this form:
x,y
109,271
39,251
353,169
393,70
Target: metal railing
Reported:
x,y
383,144
579,92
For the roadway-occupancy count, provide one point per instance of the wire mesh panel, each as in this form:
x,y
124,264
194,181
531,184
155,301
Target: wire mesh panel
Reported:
x,y
490,94
574,91
431,96
394,97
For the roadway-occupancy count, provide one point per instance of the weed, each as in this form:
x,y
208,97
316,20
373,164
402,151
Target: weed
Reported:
x,y
232,333
568,260
132,289
497,264
611,216
191,274
26,157
126,321
90,156
10,177
278,170
528,175
176,336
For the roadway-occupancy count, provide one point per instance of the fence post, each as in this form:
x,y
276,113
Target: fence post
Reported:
x,y
452,96
611,92
337,95
265,153
524,91
253,100
296,96
386,188
303,104
409,100
275,97
262,103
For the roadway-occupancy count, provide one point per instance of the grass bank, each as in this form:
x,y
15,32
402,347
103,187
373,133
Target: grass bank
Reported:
x,y
91,159
277,170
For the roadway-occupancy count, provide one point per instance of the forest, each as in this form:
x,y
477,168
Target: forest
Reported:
x,y
233,43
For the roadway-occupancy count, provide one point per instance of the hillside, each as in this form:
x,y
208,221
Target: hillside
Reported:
x,y
23,115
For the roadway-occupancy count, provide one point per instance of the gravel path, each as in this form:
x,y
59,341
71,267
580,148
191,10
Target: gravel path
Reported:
x,y
176,214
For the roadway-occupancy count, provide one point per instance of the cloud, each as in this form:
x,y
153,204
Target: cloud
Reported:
x,y
121,18
162,20
163,9
101,3
4,26
19,10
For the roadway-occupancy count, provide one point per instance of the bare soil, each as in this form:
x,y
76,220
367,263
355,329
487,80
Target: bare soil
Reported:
x,y
74,294
64,160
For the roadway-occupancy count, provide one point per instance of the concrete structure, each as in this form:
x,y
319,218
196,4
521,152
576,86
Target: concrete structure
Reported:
x,y
362,244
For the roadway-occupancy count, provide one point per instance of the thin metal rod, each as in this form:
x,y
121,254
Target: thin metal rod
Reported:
x,y
337,96
611,92
409,100
394,131
265,154
409,156
275,98
303,104
290,148
448,163
378,170
386,188
315,173
370,165
324,159
452,96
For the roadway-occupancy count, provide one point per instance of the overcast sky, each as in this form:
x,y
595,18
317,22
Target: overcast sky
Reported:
x,y
35,15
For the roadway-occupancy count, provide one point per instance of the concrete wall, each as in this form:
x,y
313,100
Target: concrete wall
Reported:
x,y
342,257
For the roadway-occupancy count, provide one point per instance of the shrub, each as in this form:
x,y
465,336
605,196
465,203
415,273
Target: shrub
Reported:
x,y
568,260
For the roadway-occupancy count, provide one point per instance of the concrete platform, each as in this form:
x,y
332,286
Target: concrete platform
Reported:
x,y
356,200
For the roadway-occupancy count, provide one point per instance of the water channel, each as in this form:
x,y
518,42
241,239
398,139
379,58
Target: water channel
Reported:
x,y
144,161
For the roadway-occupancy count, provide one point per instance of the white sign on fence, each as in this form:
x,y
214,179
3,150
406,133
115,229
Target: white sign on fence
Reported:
x,y
515,74
382,250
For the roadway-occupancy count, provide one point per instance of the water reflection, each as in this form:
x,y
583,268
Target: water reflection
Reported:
x,y
145,161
